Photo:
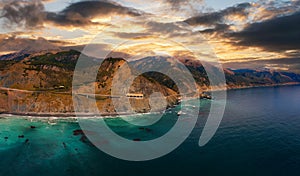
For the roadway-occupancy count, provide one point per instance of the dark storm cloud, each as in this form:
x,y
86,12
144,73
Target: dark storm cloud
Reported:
x,y
280,33
209,19
219,28
81,13
177,4
32,13
165,28
27,13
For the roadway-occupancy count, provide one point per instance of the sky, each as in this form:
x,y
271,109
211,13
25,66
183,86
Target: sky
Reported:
x,y
238,33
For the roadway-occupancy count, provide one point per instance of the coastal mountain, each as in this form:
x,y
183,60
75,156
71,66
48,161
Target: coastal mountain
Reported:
x,y
13,44
42,82
240,78
250,78
47,70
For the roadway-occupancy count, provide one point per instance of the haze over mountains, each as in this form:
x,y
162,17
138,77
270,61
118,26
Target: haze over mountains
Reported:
x,y
13,44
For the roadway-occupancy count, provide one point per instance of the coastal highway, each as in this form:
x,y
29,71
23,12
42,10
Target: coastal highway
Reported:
x,y
19,90
69,92
51,91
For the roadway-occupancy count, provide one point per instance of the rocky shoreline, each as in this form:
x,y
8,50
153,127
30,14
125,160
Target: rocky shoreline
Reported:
x,y
71,115
112,114
251,87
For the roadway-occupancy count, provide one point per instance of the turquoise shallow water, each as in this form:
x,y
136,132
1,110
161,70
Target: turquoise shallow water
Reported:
x,y
259,135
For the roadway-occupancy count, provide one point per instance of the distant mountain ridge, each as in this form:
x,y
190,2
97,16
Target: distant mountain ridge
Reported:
x,y
14,44
65,62
248,78
14,56
50,75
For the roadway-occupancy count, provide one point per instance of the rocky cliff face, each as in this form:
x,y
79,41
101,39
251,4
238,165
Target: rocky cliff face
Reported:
x,y
46,81
14,101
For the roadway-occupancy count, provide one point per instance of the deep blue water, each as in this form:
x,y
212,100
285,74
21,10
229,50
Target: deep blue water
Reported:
x,y
259,135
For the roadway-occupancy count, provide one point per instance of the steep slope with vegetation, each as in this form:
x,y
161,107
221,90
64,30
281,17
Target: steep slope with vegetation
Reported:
x,y
42,82
46,81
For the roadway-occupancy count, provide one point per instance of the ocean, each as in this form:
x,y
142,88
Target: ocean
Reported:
x,y
259,135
